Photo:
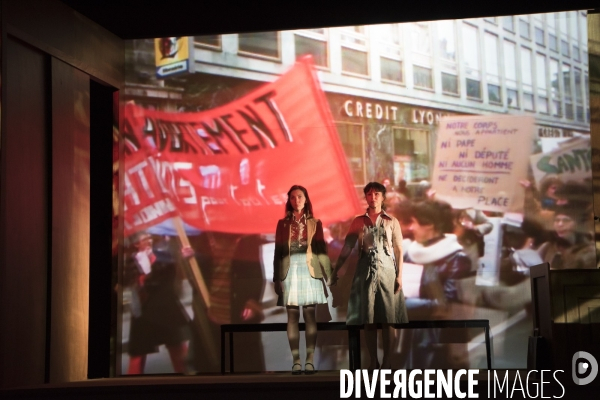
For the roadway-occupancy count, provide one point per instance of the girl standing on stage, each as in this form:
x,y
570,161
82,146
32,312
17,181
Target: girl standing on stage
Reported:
x,y
300,256
376,295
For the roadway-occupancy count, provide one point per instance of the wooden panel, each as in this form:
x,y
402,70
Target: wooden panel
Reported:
x,y
24,202
58,30
70,223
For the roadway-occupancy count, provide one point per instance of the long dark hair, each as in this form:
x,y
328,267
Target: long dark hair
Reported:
x,y
308,210
436,213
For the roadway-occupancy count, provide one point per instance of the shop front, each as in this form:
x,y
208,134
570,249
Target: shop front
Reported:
x,y
386,140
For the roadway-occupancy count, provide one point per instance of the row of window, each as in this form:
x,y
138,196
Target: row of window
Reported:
x,y
315,41
503,71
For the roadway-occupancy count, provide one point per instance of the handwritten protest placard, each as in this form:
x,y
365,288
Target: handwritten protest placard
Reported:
x,y
479,161
571,161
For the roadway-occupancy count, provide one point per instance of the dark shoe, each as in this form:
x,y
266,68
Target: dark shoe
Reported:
x,y
296,371
311,370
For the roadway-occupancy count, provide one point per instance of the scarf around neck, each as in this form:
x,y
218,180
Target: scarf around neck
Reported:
x,y
421,254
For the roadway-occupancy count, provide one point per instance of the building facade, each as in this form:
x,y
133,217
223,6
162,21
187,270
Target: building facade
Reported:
x,y
388,85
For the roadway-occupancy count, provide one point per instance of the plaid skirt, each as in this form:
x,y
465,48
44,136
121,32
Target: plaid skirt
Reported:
x,y
299,288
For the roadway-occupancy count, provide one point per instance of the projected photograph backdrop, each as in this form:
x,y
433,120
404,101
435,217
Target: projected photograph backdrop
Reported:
x,y
490,115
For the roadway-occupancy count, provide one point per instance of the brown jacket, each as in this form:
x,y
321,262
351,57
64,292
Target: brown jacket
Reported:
x,y
316,253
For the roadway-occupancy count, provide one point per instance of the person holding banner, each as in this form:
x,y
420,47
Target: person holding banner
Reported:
x,y
157,315
376,294
299,260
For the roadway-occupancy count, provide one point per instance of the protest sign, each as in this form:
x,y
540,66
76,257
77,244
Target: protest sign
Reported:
x,y
229,169
479,161
571,161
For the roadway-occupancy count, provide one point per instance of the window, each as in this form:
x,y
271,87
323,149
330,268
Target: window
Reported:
x,y
423,77
573,22
562,22
528,101
389,34
421,37
354,61
510,61
540,74
583,33
510,73
553,42
508,23
490,42
576,55
351,136
471,60
265,44
566,73
446,40
413,146
470,46
512,98
210,41
315,45
391,50
542,105
539,36
491,54
580,114
524,29
527,79
494,94
551,21
391,70
526,74
555,88
564,48
473,89
449,83
554,78
542,90
354,35
578,85
556,108
569,111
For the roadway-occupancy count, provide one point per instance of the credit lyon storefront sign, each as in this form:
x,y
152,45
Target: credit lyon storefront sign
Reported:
x,y
391,112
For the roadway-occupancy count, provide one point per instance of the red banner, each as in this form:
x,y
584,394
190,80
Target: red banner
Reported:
x,y
229,169
146,201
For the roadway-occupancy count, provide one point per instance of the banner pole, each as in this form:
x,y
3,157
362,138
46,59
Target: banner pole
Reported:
x,y
201,320
197,279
